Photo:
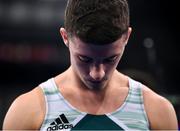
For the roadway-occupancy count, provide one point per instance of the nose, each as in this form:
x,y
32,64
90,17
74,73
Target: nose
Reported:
x,y
97,72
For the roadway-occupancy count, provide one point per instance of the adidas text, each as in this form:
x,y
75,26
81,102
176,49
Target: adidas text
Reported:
x,y
60,127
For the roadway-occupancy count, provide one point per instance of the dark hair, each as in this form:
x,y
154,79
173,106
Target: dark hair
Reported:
x,y
97,21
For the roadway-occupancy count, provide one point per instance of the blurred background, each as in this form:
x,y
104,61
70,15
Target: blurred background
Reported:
x,y
32,51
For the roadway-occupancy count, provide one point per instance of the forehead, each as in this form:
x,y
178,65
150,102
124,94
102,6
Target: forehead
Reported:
x,y
88,49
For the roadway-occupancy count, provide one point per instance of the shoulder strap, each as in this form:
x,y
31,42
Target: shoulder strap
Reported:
x,y
56,105
49,87
132,112
135,101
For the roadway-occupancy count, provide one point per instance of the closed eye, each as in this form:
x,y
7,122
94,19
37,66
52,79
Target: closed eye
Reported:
x,y
111,59
84,59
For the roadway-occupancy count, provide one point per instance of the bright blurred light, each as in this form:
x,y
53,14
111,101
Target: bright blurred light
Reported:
x,y
18,12
148,42
41,13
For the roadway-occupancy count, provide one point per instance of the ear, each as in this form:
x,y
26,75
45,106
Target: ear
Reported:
x,y
64,36
127,35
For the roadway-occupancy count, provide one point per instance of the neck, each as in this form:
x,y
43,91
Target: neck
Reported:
x,y
92,94
92,101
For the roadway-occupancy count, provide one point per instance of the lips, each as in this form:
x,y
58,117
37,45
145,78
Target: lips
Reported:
x,y
95,82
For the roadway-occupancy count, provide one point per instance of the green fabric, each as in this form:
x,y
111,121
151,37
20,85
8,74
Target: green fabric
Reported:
x,y
96,122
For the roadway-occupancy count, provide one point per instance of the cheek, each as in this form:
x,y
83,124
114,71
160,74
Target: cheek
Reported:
x,y
81,69
109,68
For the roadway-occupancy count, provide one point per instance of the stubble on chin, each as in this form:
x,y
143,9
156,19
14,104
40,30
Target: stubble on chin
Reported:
x,y
96,87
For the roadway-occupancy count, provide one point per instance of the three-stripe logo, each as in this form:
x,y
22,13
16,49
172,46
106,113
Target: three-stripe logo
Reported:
x,y
60,123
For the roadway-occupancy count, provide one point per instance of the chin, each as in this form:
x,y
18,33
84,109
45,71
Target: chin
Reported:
x,y
95,87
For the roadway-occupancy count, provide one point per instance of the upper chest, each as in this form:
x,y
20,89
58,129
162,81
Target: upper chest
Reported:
x,y
94,103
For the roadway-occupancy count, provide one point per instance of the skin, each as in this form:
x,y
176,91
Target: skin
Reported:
x,y
94,76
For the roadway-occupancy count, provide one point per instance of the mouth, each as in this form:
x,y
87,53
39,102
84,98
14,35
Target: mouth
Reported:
x,y
95,82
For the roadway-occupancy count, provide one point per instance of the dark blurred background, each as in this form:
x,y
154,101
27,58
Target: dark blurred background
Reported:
x,y
32,51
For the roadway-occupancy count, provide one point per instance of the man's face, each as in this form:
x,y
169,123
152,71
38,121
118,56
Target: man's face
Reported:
x,y
94,64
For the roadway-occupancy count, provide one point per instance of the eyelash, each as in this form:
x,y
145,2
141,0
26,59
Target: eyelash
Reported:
x,y
85,59
111,60
88,60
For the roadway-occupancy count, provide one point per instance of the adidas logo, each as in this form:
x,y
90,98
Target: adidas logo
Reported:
x,y
60,123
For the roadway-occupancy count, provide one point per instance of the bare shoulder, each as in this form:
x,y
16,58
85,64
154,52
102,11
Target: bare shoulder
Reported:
x,y
26,112
160,111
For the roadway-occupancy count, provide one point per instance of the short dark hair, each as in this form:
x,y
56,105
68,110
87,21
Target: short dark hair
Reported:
x,y
97,21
